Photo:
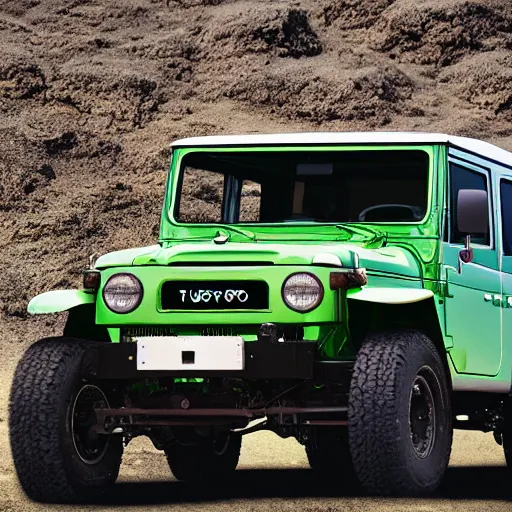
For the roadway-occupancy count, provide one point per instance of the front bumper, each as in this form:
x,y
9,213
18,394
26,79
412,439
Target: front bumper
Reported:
x,y
263,360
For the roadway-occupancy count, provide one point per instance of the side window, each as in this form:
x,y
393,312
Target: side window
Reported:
x,y
506,216
462,178
250,202
201,196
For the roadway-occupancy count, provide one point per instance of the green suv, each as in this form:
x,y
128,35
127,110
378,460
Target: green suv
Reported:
x,y
351,290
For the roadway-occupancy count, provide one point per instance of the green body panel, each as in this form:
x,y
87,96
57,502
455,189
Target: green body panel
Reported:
x,y
394,260
125,257
57,301
150,310
406,263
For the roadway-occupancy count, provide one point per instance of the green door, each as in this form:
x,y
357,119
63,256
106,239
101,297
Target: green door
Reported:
x,y
505,209
474,302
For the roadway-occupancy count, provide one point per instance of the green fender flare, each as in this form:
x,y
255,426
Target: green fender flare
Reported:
x,y
390,295
57,301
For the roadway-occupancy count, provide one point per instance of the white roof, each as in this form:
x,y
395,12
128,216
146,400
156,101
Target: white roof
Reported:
x,y
485,149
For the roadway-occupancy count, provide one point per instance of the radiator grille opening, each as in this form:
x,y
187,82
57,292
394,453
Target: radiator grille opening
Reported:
x,y
128,333
218,331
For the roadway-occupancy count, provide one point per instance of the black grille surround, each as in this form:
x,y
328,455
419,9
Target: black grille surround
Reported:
x,y
215,295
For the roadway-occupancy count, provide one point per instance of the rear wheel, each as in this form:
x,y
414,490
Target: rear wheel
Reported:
x,y
58,458
507,434
328,451
213,457
400,429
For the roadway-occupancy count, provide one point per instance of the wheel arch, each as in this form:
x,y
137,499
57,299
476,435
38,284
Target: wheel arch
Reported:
x,y
81,308
58,301
367,316
81,323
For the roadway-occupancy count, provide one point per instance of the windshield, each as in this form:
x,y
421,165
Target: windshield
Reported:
x,y
314,186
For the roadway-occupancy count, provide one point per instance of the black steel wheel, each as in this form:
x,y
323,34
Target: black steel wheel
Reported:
x,y
422,413
90,447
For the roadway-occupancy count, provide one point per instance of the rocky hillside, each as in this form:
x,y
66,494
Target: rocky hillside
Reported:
x,y
93,91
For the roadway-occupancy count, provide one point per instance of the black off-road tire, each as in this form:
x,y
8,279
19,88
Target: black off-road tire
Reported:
x,y
385,388
328,453
201,461
45,385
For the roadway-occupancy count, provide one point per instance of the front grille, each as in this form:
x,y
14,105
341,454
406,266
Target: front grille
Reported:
x,y
218,331
146,330
214,295
129,333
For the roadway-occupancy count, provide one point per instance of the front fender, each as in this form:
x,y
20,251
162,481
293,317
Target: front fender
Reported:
x,y
57,301
390,295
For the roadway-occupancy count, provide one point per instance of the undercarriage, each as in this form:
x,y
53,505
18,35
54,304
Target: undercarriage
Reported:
x,y
283,388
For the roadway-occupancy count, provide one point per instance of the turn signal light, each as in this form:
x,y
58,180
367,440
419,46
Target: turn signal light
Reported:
x,y
347,279
91,279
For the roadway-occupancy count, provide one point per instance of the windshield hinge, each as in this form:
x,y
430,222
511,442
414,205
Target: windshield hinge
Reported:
x,y
221,238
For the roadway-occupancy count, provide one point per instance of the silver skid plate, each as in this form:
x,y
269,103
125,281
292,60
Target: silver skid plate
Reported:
x,y
190,353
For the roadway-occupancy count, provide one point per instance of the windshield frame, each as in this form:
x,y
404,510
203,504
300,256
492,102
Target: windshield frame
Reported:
x,y
175,229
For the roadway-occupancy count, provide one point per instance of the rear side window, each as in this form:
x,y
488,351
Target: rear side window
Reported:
x,y
506,216
463,178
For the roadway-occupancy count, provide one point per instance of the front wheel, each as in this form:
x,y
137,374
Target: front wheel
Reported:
x,y
400,425
57,456
212,457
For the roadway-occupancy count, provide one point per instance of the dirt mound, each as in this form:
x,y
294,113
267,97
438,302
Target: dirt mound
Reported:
x,y
442,36
353,14
20,176
484,81
19,7
370,94
123,96
67,235
283,31
20,78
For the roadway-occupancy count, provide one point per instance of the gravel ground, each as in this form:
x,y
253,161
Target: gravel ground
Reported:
x,y
273,474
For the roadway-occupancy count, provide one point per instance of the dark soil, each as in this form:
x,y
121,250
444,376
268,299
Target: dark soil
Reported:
x,y
439,35
93,91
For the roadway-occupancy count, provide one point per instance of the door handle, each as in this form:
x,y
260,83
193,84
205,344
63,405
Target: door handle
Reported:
x,y
497,300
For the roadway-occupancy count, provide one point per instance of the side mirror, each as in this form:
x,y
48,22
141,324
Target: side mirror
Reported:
x,y
472,218
472,211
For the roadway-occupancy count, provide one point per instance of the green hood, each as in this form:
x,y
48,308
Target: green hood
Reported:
x,y
396,260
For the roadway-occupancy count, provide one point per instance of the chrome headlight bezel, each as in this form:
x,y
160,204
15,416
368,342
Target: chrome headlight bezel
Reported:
x,y
313,305
140,293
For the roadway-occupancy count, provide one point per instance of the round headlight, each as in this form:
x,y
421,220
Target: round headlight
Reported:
x,y
302,292
122,293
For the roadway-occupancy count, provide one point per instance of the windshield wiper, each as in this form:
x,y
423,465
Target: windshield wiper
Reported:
x,y
222,239
362,230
